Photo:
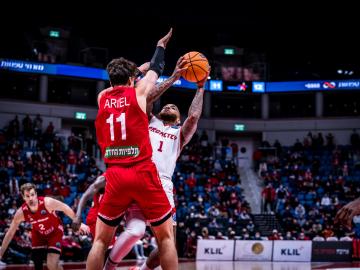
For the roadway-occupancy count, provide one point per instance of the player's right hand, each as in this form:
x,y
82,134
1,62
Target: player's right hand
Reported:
x,y
164,41
76,223
180,67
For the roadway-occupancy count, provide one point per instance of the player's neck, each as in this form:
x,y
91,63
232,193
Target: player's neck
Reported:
x,y
169,123
34,208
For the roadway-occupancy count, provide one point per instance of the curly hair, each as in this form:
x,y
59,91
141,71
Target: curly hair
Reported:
x,y
120,70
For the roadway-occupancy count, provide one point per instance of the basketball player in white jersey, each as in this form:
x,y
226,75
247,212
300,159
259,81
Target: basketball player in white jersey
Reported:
x,y
167,138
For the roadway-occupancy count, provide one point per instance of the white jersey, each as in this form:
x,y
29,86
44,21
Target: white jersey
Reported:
x,y
165,142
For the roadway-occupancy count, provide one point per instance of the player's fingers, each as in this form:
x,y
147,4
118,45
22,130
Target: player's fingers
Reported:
x,y
180,60
183,63
182,69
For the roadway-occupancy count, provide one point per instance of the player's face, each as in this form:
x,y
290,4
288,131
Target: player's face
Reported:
x,y
30,197
170,112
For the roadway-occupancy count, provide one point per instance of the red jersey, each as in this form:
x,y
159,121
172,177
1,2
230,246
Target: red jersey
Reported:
x,y
42,221
94,210
122,127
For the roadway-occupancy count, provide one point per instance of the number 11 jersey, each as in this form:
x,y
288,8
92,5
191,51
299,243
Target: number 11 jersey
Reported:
x,y
122,128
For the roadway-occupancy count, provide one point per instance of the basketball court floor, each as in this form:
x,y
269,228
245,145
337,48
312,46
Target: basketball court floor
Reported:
x,y
211,265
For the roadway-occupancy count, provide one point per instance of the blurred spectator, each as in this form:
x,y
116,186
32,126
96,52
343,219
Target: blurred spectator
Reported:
x,y
303,237
318,238
139,250
269,196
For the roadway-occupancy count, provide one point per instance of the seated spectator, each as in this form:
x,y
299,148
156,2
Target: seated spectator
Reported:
x,y
275,235
303,237
318,238
332,238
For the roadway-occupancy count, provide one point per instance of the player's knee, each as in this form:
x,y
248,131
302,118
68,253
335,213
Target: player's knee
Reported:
x,y
101,243
52,264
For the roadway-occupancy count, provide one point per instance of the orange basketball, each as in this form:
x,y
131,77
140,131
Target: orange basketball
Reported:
x,y
197,68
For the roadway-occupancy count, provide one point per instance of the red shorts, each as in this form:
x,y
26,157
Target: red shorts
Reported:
x,y
140,184
51,241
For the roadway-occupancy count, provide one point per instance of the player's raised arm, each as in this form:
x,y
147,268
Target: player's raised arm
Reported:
x,y
195,110
156,68
18,218
88,194
159,89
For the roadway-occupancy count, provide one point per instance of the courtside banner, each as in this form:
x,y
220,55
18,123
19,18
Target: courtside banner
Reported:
x,y
253,250
292,251
215,250
331,251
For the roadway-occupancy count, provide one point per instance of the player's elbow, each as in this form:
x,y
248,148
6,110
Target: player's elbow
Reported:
x,y
193,118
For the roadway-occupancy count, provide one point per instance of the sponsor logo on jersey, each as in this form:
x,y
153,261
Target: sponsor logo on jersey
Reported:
x,y
122,151
163,134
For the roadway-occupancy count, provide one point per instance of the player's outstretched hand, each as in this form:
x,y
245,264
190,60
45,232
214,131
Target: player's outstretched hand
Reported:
x,y
164,41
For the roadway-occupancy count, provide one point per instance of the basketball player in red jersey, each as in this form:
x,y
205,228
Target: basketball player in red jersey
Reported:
x,y
131,176
47,230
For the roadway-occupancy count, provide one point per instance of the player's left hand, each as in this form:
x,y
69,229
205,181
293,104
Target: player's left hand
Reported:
x,y
164,41
84,229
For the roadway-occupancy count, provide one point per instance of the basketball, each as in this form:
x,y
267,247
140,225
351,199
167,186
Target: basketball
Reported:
x,y
197,68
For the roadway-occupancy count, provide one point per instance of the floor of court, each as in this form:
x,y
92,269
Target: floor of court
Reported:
x,y
211,265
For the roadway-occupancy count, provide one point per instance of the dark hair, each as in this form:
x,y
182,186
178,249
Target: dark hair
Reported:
x,y
120,70
27,187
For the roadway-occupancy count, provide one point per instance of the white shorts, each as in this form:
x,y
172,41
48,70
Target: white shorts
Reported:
x,y
134,210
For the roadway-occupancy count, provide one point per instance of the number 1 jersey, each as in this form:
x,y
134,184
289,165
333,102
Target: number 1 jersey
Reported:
x,y
122,128
166,144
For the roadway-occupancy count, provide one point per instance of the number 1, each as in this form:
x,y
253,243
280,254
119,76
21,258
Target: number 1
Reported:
x,y
161,145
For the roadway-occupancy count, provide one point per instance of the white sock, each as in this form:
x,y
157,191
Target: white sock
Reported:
x,y
122,247
135,229
145,267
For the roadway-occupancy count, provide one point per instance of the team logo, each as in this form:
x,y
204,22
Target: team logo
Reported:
x,y
242,86
58,244
257,248
43,212
330,85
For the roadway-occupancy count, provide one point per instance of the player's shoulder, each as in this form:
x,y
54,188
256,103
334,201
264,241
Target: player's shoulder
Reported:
x,y
102,93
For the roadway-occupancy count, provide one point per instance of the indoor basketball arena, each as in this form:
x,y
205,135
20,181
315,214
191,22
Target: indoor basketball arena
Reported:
x,y
198,137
